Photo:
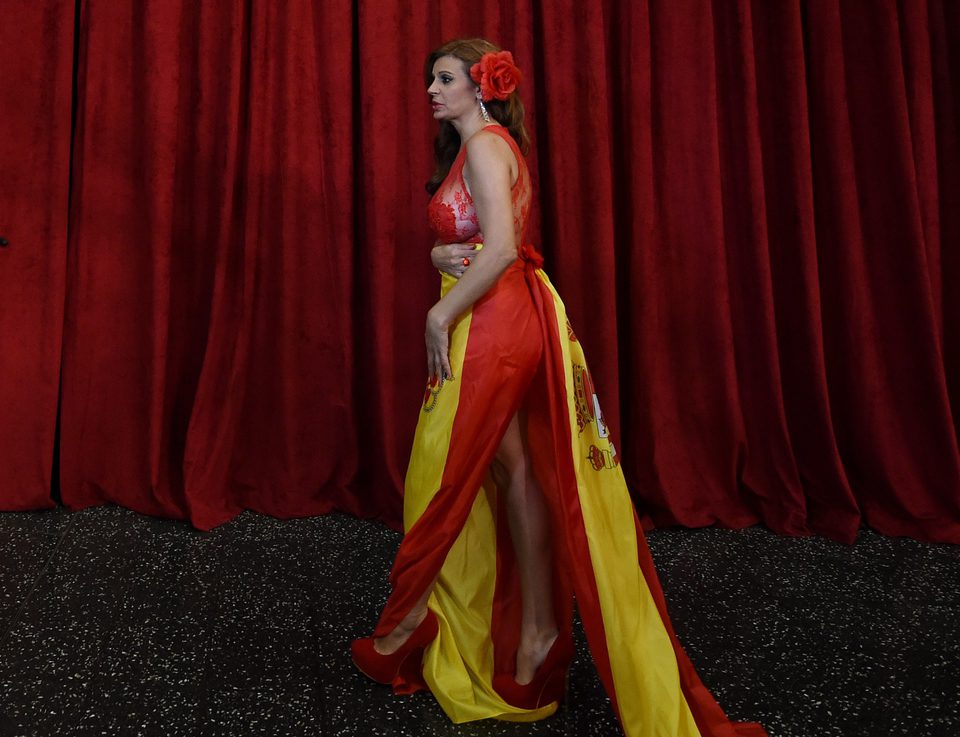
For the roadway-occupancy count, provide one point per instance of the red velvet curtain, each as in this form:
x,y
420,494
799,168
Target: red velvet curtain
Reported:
x,y
751,209
36,60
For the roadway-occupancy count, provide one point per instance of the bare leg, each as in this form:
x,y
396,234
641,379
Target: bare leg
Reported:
x,y
391,642
528,518
530,531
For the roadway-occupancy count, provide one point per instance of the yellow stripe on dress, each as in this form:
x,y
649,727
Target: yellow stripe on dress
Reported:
x,y
642,658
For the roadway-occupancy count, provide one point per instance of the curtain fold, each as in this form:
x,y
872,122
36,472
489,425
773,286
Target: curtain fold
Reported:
x,y
36,59
206,367
751,210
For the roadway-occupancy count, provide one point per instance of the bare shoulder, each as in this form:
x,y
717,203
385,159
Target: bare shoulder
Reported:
x,y
488,152
485,144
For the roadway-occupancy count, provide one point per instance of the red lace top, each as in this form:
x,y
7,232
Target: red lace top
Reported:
x,y
451,211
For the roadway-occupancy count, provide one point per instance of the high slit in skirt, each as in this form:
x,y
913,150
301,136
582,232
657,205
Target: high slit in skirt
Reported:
x,y
515,349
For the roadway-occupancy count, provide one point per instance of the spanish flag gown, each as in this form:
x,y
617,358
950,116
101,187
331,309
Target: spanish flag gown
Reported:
x,y
515,349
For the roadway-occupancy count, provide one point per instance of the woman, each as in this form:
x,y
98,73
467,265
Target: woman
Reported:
x,y
514,499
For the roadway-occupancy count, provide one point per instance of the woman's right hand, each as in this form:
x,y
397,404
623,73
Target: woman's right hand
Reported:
x,y
453,258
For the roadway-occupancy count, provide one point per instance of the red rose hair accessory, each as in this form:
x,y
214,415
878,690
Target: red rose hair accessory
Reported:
x,y
496,74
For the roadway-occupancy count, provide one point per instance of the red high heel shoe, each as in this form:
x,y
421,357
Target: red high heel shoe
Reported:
x,y
403,661
549,683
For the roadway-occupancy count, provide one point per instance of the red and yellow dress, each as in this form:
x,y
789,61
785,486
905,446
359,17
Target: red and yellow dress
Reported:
x,y
516,349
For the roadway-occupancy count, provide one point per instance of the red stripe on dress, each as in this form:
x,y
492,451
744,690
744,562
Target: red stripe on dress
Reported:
x,y
554,467
707,713
492,387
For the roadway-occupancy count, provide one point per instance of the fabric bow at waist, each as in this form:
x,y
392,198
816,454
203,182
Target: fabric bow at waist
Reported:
x,y
531,255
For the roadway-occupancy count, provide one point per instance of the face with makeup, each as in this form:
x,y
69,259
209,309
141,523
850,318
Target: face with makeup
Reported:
x,y
453,95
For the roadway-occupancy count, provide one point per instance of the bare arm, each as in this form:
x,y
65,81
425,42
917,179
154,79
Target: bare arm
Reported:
x,y
488,170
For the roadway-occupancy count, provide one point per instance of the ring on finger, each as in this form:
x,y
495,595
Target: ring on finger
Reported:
x,y
466,261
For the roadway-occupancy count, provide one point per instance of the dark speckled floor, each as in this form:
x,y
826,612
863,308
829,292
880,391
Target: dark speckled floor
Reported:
x,y
112,623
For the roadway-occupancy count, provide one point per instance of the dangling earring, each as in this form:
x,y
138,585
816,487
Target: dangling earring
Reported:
x,y
483,109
